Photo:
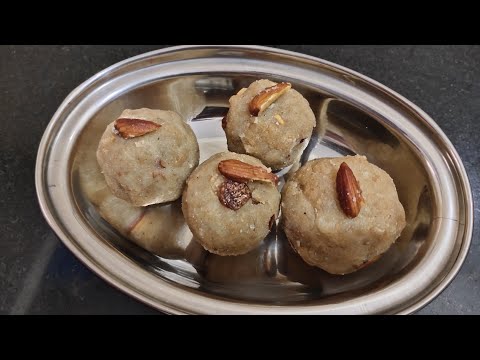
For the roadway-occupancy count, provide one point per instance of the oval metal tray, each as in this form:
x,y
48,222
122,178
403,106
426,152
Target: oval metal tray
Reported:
x,y
355,114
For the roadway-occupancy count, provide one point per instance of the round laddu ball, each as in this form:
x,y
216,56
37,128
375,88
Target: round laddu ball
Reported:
x,y
323,230
278,134
146,156
230,215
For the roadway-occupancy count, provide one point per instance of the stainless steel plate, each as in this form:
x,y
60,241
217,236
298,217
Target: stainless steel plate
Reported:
x,y
355,115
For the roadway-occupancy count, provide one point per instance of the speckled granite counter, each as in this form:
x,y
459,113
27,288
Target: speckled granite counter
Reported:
x,y
38,275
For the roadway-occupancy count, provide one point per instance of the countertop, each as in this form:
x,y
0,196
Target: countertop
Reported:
x,y
38,275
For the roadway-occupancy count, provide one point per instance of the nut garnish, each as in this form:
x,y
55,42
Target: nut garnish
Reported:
x,y
241,91
279,119
348,191
267,97
131,128
233,194
224,123
242,172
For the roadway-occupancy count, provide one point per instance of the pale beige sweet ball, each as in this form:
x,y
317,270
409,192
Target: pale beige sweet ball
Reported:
x,y
278,135
320,231
219,228
151,168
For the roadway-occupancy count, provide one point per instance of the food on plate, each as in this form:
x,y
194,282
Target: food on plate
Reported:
x,y
270,121
160,229
230,203
341,214
146,156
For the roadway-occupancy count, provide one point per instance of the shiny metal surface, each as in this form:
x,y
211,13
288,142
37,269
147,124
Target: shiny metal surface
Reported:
x,y
355,115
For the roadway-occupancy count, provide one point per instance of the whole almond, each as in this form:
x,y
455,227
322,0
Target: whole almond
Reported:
x,y
267,97
132,128
242,172
348,191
